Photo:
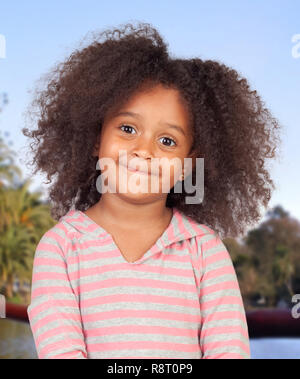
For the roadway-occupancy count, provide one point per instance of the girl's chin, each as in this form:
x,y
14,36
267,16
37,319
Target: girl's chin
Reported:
x,y
138,196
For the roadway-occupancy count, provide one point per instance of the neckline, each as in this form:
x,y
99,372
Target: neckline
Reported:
x,y
156,247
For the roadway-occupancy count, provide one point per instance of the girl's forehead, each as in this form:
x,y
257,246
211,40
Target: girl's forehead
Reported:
x,y
156,102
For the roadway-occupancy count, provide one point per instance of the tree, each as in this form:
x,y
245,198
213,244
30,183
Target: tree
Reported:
x,y
24,218
275,247
245,269
8,170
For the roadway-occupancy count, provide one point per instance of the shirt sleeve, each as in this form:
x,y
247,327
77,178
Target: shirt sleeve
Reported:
x,y
54,313
224,330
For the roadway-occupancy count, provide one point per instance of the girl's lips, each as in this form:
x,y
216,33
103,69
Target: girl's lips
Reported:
x,y
138,171
135,170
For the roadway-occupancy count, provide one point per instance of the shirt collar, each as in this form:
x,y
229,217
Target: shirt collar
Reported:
x,y
180,228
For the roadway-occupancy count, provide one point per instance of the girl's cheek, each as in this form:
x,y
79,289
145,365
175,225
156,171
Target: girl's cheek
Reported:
x,y
110,145
116,143
171,171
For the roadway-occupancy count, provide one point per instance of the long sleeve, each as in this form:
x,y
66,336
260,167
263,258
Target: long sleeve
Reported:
x,y
54,313
224,330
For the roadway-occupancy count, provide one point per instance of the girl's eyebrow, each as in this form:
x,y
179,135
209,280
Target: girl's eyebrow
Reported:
x,y
136,115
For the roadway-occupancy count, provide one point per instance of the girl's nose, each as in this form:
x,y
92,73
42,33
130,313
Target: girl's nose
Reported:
x,y
143,148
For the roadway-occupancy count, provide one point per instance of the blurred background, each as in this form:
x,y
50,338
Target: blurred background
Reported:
x,y
261,40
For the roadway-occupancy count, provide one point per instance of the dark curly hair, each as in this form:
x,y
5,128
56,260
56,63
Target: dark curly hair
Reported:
x,y
233,131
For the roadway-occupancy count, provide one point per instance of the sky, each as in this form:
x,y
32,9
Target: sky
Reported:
x,y
254,37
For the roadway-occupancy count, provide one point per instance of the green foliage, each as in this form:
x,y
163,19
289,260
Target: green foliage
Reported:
x,y
24,219
268,261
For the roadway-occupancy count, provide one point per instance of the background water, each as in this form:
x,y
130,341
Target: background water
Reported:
x,y
275,348
16,341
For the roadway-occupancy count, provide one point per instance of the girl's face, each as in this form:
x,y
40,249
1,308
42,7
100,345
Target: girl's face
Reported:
x,y
152,124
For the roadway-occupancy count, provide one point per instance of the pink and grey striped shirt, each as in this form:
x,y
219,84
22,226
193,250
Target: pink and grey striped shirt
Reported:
x,y
180,300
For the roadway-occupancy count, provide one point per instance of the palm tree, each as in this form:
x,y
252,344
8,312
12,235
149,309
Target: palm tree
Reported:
x,y
15,254
7,168
25,219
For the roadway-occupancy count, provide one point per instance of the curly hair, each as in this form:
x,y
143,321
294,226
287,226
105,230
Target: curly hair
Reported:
x,y
232,129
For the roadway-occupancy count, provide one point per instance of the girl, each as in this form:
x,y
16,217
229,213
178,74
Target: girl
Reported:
x,y
145,275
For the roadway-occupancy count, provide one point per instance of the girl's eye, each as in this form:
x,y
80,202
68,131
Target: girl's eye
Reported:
x,y
126,127
169,139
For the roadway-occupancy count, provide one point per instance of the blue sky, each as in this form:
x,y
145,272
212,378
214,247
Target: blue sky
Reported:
x,y
254,37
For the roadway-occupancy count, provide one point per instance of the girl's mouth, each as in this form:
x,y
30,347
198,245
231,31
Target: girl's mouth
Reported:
x,y
136,170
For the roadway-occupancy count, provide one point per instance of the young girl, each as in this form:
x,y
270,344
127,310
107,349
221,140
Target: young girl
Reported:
x,y
145,275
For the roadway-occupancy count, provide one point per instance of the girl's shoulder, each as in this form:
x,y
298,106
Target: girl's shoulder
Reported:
x,y
191,226
207,241
73,224
55,240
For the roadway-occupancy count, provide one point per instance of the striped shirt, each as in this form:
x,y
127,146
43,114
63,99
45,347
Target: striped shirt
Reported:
x,y
181,299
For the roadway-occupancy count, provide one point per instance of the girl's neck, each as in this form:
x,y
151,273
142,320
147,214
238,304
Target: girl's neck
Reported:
x,y
110,209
